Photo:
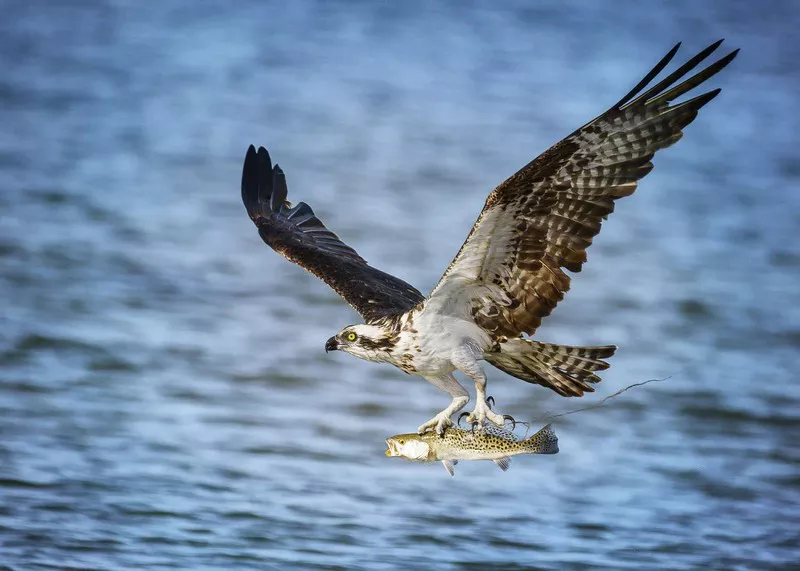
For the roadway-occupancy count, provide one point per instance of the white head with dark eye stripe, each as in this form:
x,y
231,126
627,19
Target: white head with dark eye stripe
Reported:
x,y
369,342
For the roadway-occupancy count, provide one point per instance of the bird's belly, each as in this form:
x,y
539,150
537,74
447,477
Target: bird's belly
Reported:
x,y
443,334
429,365
436,344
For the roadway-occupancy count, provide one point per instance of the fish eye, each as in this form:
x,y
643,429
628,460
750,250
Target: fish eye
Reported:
x,y
351,336
401,442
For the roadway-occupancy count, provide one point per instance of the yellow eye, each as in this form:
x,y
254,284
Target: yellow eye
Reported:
x,y
401,442
351,336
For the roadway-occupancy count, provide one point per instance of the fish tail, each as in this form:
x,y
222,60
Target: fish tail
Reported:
x,y
543,442
570,371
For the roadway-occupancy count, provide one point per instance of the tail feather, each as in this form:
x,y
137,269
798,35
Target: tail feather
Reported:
x,y
567,370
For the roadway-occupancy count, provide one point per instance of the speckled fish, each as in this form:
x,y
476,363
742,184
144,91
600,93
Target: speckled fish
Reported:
x,y
492,443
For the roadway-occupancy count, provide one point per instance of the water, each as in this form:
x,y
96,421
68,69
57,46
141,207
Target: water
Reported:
x,y
165,400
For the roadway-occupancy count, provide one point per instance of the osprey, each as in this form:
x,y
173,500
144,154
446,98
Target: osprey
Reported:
x,y
510,271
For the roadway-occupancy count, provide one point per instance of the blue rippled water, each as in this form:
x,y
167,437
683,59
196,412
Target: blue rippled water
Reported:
x,y
165,399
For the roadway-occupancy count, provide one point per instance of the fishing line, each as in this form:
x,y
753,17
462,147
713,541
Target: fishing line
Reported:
x,y
601,402
598,404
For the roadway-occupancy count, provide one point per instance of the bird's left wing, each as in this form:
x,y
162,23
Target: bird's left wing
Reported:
x,y
298,235
509,274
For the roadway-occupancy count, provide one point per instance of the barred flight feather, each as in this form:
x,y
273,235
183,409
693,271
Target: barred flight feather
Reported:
x,y
565,194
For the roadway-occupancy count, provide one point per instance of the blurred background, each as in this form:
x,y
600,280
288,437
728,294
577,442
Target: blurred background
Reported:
x,y
165,399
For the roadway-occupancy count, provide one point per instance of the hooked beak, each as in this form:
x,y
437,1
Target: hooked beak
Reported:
x,y
331,344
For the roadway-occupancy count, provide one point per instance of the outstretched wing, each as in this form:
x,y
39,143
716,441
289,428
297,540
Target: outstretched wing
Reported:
x,y
509,274
299,236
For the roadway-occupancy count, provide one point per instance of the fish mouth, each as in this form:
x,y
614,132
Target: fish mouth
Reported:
x,y
390,451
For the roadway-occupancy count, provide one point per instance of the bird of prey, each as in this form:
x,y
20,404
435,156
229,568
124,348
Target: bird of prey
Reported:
x,y
511,271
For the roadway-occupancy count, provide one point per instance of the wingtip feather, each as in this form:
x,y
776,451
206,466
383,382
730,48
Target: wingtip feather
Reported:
x,y
257,181
662,93
250,181
651,75
279,189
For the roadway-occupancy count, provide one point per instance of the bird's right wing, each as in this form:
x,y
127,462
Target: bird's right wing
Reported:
x,y
299,236
509,274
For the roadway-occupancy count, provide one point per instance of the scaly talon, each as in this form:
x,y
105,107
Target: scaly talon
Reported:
x,y
460,416
439,423
490,402
476,425
483,412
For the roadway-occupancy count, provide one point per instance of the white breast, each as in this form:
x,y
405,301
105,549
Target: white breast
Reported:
x,y
437,337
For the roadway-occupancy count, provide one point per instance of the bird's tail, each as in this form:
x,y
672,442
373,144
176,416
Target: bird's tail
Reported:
x,y
567,370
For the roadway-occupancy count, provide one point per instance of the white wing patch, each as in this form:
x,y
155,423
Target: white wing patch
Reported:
x,y
490,243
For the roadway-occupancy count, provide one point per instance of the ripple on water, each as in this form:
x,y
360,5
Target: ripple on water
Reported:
x,y
165,400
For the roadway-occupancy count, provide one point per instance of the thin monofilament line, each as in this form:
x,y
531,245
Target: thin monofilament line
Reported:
x,y
601,402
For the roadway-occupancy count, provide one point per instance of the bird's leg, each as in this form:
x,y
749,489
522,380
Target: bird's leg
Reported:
x,y
482,410
466,363
441,421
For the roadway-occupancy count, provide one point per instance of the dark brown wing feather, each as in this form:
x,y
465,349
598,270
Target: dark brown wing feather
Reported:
x,y
298,235
541,220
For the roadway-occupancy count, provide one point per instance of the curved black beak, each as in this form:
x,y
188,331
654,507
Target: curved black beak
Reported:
x,y
331,344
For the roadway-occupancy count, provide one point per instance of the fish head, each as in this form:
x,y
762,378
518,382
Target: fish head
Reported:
x,y
409,446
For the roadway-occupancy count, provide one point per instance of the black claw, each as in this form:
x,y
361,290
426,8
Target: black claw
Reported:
x,y
490,402
460,416
511,418
475,424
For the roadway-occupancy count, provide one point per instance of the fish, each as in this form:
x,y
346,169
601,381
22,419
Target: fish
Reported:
x,y
492,443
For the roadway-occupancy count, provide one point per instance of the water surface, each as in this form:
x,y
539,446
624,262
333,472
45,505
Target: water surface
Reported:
x,y
165,399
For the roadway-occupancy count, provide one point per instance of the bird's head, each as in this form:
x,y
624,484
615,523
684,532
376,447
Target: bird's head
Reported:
x,y
369,342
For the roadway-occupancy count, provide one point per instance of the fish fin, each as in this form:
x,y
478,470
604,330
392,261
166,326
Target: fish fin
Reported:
x,y
543,442
450,466
503,463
